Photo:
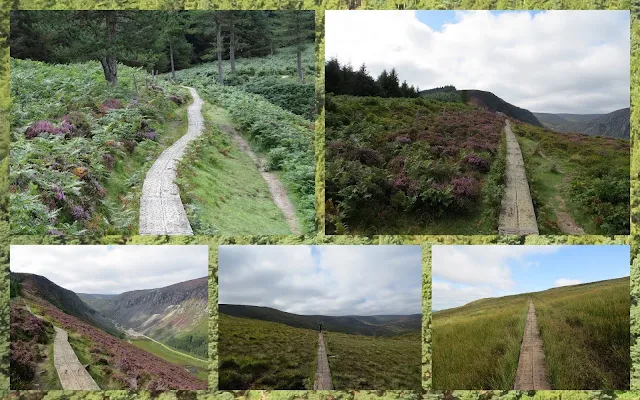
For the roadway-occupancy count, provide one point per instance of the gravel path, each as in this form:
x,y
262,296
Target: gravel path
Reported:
x,y
72,374
277,190
532,367
517,216
323,374
161,210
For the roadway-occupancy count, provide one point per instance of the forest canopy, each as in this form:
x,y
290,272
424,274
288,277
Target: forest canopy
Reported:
x,y
343,79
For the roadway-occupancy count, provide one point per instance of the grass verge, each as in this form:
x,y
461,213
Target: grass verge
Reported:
x,y
195,366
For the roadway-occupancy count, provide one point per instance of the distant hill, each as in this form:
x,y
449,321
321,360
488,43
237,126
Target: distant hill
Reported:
x,y
491,102
92,300
615,124
176,315
379,325
65,300
482,99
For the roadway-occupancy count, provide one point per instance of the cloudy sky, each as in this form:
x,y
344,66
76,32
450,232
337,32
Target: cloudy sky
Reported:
x,y
462,274
112,269
325,280
551,61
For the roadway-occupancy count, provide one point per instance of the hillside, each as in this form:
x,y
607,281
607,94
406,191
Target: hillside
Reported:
x,y
412,166
381,325
63,299
615,124
114,363
584,328
255,354
176,314
493,103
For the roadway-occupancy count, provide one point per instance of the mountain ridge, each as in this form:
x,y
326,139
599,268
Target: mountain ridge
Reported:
x,y
615,124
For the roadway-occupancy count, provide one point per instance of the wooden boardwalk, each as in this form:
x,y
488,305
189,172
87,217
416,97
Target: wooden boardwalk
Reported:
x,y
323,374
517,216
532,367
72,374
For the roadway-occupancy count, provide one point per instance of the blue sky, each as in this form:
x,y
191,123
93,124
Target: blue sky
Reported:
x,y
435,19
465,273
326,280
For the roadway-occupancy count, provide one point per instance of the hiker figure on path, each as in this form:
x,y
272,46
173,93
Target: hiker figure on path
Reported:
x,y
320,326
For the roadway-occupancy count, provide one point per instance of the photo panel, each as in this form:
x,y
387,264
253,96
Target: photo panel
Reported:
x,y
162,122
531,317
99,317
477,122
309,317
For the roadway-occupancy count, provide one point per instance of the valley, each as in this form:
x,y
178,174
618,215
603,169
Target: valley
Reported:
x,y
256,352
101,336
584,330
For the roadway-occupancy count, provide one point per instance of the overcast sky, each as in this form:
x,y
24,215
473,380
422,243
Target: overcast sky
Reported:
x,y
325,280
112,269
551,61
462,274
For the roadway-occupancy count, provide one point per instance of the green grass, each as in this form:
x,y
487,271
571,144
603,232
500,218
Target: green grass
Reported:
x,y
99,373
584,176
198,367
223,189
477,346
265,355
374,362
585,331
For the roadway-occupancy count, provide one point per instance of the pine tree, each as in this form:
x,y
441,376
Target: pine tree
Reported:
x,y
295,28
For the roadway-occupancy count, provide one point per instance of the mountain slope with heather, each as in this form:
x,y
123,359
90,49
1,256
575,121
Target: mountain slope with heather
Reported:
x,y
113,362
176,315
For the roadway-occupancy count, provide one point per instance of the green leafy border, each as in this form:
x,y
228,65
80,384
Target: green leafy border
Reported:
x,y
213,242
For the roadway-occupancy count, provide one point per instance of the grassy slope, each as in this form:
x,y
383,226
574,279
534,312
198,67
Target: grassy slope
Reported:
x,y
555,162
224,190
584,328
585,331
199,367
264,355
477,346
364,185
374,362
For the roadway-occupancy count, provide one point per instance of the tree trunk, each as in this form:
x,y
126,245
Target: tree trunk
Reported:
x,y
300,72
219,49
232,42
110,63
173,68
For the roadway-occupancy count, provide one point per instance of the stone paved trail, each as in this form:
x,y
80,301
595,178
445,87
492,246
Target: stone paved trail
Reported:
x,y
72,374
532,367
161,210
323,375
517,216
277,190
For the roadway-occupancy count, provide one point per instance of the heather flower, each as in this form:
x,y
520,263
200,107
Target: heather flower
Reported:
x,y
38,127
151,135
465,187
403,139
108,160
58,193
477,163
79,213
55,232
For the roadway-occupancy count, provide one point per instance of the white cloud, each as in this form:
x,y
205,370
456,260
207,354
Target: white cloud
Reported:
x,y
555,61
485,265
329,280
567,282
111,269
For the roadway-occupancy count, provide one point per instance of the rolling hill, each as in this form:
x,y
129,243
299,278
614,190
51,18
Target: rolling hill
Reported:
x,y
614,124
584,329
379,325
176,315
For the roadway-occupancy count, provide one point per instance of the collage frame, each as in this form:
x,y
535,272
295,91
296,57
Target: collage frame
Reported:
x,y
424,240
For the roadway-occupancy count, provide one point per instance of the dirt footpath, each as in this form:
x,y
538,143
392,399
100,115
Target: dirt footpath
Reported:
x,y
72,374
532,367
517,216
323,375
277,190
